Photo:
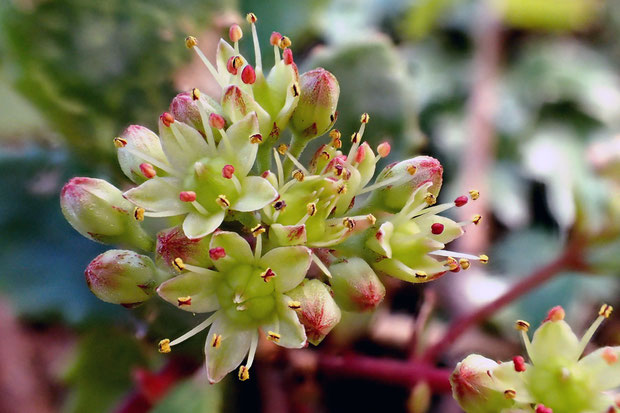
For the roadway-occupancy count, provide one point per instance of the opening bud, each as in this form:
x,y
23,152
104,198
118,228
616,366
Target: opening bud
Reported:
x,y
356,286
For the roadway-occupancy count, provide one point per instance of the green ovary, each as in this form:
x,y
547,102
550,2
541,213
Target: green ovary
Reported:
x,y
565,390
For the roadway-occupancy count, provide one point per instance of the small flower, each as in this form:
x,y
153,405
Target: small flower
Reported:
x,y
356,286
97,210
172,243
139,150
243,298
122,277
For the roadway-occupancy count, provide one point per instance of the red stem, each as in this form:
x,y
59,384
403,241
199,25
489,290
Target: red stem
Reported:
x,y
570,258
398,372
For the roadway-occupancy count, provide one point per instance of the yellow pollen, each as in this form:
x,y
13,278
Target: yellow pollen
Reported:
x,y
336,143
295,305
190,41
257,230
181,301
411,169
256,138
349,223
298,175
605,310
522,325
326,155
282,149
430,199
271,336
285,42
476,219
464,262
510,394
178,264
355,137
334,134
216,340
267,275
365,118
195,94
237,62
244,373
120,142
421,275
222,201
371,219
251,18
138,214
452,264
164,346
342,189
484,258
474,194
311,209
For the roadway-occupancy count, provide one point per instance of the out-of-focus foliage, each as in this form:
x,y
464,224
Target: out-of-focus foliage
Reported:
x,y
192,396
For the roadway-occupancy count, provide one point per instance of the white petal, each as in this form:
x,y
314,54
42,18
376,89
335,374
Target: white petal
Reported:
x,y
234,345
197,225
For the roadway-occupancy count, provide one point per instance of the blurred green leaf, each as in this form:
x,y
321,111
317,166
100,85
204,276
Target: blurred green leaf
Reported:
x,y
193,396
101,371
552,15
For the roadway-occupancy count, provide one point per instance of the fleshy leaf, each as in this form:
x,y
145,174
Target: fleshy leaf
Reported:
x,y
290,265
200,288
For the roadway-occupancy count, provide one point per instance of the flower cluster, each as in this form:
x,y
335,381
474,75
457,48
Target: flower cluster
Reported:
x,y
247,232
556,379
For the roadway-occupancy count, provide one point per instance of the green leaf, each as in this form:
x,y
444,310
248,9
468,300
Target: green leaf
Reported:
x,y
192,396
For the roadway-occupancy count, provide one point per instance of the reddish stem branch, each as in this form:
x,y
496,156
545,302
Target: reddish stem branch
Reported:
x,y
398,372
569,259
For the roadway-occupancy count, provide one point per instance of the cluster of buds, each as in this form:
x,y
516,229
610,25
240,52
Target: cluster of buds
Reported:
x,y
557,379
266,249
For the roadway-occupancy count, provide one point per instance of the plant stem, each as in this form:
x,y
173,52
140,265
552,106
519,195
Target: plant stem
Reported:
x,y
399,372
569,259
263,157
296,148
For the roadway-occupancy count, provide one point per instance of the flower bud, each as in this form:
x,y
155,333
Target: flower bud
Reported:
x,y
97,210
316,110
138,145
172,243
184,108
413,173
356,286
318,311
235,33
122,277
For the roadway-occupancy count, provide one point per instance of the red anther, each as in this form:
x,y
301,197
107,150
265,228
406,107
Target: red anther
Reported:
x,y
275,38
217,253
167,119
543,409
460,201
147,170
384,149
228,171
265,174
555,314
248,76
287,56
519,363
437,228
187,196
360,155
230,65
217,121
235,33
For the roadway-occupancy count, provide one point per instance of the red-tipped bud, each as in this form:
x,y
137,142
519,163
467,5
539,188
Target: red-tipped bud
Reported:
x,y
235,33
519,363
217,121
275,38
360,154
217,253
147,170
356,286
167,119
460,201
287,56
555,314
228,171
384,149
437,228
187,196
248,76
544,409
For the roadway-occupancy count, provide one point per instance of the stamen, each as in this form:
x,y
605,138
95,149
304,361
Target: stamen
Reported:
x,y
484,259
421,275
159,214
179,137
222,201
252,352
151,160
258,249
604,313
519,363
200,208
474,194
311,209
244,373
464,263
147,170
197,270
120,142
279,168
216,340
164,346
371,219
195,94
235,33
282,149
437,228
294,305
138,214
510,394
335,135
476,219
248,76
256,138
257,230
383,150
390,181
298,175
320,264
187,196
267,275
430,199
251,18
460,201
348,223
181,301
284,42
192,43
194,330
524,327
272,336
178,264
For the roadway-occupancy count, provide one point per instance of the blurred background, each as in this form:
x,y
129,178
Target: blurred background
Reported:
x,y
517,98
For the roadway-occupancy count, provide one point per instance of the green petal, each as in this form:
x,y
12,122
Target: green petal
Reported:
x,y
200,287
237,105
554,343
451,230
257,193
379,242
288,234
224,52
285,322
159,195
290,265
234,346
397,269
182,144
334,231
506,377
245,151
237,250
601,367
197,225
